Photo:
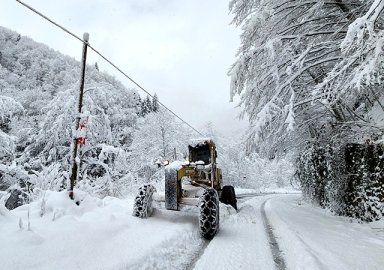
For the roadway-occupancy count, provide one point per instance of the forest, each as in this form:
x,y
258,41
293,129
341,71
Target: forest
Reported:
x,y
128,136
310,78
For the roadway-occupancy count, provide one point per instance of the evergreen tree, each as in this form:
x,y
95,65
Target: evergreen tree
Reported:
x,y
146,106
139,105
155,103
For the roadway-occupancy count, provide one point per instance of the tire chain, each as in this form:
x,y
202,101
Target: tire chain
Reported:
x,y
209,214
140,206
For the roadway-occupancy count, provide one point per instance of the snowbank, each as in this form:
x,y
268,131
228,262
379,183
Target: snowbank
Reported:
x,y
55,233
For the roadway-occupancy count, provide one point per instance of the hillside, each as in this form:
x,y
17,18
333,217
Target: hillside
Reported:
x,y
38,104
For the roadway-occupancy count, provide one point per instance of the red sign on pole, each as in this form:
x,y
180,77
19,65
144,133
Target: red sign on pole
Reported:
x,y
82,131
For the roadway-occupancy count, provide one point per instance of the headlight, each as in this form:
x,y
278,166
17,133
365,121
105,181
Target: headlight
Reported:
x,y
187,162
166,163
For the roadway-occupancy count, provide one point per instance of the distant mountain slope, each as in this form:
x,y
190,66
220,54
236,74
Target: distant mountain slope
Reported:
x,y
38,106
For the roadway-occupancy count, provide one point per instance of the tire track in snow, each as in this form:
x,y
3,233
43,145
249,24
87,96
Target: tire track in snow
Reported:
x,y
277,255
301,251
203,245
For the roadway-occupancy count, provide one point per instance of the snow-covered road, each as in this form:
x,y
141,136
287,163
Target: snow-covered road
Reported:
x,y
102,234
242,242
313,238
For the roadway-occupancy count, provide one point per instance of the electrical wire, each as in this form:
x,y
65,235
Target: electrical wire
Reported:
x,y
45,17
102,56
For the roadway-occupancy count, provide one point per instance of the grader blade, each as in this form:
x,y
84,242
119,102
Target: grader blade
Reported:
x,y
171,202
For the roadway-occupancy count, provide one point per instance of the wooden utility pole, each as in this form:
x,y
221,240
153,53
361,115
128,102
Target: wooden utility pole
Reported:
x,y
75,141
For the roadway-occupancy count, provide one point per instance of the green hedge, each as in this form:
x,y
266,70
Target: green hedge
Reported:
x,y
348,179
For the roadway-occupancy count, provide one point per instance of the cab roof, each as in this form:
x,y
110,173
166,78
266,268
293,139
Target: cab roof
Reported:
x,y
201,141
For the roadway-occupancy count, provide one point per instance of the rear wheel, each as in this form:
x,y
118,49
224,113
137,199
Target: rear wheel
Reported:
x,y
142,206
15,199
209,214
228,196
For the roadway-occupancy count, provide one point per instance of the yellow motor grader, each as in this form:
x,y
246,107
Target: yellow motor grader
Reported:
x,y
197,181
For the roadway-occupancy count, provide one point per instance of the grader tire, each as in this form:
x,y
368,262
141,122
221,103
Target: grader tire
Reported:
x,y
228,196
209,214
142,206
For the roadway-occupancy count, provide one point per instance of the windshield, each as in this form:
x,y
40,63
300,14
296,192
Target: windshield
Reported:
x,y
200,152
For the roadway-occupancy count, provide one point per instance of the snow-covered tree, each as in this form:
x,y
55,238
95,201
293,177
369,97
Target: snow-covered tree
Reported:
x,y
158,137
209,132
52,143
9,108
155,103
146,106
310,78
288,49
250,170
45,85
354,85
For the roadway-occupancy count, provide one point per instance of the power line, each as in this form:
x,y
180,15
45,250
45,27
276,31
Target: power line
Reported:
x,y
143,89
45,17
102,56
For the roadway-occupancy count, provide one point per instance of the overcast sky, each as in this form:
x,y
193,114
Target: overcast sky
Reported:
x,y
179,49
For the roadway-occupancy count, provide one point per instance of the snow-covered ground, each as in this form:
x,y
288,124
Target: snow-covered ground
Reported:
x,y
313,238
97,234
103,234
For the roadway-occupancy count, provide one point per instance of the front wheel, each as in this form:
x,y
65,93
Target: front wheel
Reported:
x,y
142,206
209,214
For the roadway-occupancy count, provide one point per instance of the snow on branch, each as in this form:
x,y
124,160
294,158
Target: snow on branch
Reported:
x,y
362,51
298,59
235,74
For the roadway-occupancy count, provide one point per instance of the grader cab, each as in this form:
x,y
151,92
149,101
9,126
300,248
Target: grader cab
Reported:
x,y
196,181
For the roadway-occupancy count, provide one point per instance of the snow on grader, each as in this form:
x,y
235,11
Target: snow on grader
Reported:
x,y
195,182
